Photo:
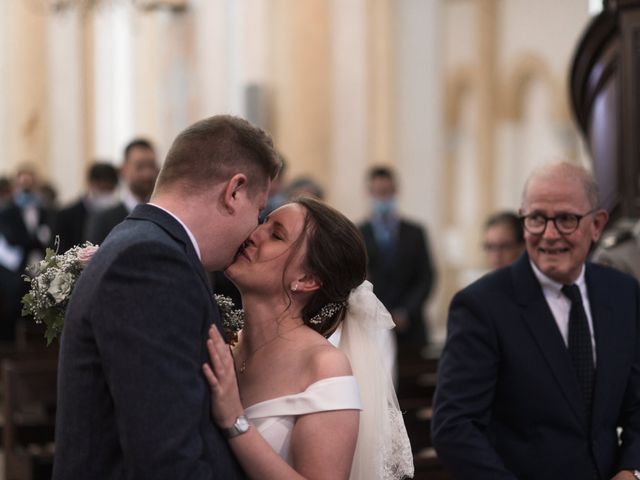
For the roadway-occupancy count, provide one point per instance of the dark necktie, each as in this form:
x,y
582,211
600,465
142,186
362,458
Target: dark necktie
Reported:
x,y
580,348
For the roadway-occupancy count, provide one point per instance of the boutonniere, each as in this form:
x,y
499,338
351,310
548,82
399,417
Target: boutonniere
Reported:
x,y
232,318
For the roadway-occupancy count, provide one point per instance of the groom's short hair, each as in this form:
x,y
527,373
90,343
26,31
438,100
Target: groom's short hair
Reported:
x,y
214,149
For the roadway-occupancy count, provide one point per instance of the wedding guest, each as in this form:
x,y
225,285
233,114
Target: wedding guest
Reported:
x,y
301,275
503,239
542,359
11,285
138,174
400,265
278,193
48,196
70,224
132,399
304,187
6,192
27,223
25,227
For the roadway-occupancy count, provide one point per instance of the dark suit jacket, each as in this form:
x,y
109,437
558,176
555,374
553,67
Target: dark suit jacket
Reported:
x,y
405,284
507,403
70,225
132,399
15,231
101,223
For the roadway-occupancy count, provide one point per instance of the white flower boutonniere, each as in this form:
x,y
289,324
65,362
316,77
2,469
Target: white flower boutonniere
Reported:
x,y
232,317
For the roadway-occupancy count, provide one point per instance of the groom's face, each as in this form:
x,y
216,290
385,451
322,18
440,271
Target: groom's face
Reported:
x,y
249,205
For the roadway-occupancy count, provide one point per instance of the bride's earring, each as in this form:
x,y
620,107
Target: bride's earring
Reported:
x,y
294,287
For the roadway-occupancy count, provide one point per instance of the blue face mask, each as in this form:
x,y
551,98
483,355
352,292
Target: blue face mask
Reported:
x,y
24,199
384,207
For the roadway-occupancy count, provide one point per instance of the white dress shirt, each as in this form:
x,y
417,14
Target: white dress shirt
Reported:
x,y
191,237
560,305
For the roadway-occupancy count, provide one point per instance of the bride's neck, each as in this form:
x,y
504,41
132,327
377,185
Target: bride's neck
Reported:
x,y
265,319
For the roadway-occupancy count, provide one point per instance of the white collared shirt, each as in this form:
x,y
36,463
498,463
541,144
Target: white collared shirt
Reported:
x,y
560,305
191,237
129,200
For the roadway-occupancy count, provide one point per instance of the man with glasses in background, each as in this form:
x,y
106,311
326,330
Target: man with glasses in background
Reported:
x,y
542,360
503,239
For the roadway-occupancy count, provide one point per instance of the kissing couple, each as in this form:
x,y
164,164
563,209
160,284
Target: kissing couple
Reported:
x,y
148,388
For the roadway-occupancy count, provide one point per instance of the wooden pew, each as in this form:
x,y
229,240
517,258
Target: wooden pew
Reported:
x,y
29,398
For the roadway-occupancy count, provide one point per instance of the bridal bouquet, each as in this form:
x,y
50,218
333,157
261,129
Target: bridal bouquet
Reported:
x,y
52,281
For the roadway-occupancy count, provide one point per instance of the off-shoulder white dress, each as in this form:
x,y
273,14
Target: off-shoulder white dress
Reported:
x,y
274,418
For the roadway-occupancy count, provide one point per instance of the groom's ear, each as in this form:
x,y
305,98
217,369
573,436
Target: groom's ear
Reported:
x,y
234,187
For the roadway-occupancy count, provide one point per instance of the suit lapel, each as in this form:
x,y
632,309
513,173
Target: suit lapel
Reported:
x,y
175,230
540,322
605,336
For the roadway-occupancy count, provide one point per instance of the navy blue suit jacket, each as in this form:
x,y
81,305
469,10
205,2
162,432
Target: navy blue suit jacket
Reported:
x,y
405,281
133,402
508,404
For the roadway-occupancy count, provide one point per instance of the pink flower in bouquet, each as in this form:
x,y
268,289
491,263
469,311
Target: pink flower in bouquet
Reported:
x,y
85,254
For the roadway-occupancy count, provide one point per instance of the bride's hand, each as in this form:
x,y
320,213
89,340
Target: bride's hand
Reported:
x,y
225,396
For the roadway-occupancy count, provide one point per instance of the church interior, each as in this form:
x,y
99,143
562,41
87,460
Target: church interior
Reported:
x,y
462,99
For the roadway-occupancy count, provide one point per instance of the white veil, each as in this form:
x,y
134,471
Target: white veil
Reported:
x,y
383,450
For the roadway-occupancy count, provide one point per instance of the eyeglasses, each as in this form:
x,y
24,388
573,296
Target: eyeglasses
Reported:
x,y
565,223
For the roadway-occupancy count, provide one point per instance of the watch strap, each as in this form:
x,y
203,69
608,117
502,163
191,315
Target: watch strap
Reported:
x,y
240,426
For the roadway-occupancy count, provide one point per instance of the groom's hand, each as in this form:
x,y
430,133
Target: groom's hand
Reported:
x,y
225,396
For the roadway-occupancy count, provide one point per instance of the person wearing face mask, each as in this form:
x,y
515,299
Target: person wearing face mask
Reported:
x,y
10,258
400,265
71,221
25,229
138,173
25,222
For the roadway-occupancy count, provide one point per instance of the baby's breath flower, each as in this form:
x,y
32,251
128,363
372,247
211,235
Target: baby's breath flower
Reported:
x,y
232,318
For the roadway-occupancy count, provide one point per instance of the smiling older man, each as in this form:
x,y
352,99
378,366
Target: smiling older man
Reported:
x,y
542,360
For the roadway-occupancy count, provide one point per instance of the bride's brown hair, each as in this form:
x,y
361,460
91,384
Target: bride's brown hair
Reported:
x,y
336,256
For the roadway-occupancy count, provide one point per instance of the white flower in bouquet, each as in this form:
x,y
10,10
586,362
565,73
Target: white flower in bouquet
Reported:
x,y
232,318
60,287
51,285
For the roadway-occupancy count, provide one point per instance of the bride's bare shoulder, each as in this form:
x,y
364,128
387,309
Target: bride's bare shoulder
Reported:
x,y
326,361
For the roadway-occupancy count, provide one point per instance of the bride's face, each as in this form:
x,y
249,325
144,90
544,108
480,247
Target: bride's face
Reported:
x,y
271,250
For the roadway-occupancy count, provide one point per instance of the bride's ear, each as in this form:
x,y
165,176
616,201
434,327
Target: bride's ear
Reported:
x,y
233,188
305,283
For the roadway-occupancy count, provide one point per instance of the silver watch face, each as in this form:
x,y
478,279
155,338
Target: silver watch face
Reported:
x,y
242,424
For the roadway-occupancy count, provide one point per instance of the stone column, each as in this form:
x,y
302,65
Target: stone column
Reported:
x,y
301,73
487,112
25,81
349,105
65,108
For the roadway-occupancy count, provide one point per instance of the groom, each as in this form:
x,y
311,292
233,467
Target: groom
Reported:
x,y
132,400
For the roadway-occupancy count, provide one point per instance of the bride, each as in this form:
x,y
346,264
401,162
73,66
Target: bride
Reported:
x,y
291,404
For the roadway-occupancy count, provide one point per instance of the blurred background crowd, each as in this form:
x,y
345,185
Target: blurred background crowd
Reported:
x,y
419,119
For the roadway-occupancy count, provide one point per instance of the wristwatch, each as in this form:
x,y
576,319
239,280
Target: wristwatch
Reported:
x,y
240,426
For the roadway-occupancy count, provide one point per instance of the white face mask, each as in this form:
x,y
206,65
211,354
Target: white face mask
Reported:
x,y
102,201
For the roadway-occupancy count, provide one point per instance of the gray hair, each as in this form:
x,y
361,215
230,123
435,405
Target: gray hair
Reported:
x,y
565,169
